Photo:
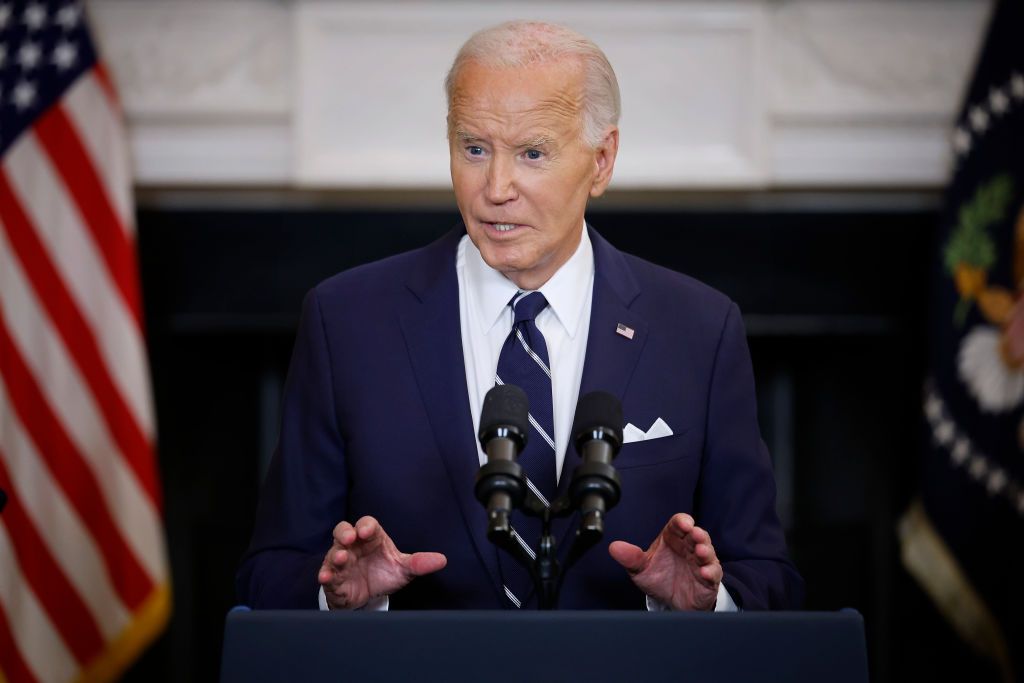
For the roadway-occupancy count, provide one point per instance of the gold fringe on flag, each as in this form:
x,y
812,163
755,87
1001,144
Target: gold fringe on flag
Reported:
x,y
926,557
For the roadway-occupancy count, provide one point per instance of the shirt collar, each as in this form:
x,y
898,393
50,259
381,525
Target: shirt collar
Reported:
x,y
565,291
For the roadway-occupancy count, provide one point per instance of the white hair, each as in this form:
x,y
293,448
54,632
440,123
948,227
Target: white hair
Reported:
x,y
517,44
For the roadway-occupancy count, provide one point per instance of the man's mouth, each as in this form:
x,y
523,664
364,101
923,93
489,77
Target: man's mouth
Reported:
x,y
504,227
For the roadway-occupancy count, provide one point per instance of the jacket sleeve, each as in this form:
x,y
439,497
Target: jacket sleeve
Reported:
x,y
304,494
736,495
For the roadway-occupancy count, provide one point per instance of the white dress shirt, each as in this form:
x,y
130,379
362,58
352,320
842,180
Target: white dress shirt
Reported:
x,y
485,320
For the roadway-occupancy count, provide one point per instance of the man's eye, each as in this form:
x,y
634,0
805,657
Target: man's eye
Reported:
x,y
534,154
475,150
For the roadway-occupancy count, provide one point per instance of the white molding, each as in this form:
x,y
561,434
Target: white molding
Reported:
x,y
838,155
680,67
864,94
211,154
206,87
182,59
733,94
870,60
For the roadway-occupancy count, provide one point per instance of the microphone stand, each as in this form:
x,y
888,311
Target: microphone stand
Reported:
x,y
502,487
545,571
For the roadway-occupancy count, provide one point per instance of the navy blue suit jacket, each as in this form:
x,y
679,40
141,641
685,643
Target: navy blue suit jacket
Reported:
x,y
376,421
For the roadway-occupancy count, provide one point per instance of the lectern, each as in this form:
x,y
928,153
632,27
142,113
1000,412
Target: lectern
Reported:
x,y
588,646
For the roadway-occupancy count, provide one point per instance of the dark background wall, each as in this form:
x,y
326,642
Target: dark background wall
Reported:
x,y
835,304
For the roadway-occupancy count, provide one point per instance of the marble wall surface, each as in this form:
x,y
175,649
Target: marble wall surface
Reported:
x,y
734,94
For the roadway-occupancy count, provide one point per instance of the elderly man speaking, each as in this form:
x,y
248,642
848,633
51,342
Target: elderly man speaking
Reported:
x,y
369,500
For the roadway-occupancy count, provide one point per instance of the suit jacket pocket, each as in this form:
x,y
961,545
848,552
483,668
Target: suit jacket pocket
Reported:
x,y
655,451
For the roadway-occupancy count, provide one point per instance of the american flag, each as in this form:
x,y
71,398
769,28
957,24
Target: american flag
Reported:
x,y
84,583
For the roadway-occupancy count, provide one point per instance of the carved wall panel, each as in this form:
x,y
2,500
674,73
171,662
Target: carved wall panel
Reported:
x,y
731,94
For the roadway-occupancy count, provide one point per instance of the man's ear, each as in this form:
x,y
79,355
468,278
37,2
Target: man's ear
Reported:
x,y
604,160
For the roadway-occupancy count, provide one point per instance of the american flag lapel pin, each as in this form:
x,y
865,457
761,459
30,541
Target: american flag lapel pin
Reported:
x,y
625,330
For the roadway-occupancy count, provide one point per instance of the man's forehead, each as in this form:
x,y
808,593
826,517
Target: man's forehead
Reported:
x,y
518,130
528,98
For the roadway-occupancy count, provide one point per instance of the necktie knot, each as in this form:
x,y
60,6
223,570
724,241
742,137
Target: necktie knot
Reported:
x,y
527,307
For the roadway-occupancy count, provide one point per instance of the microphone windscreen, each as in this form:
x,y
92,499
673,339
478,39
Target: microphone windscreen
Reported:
x,y
598,410
505,405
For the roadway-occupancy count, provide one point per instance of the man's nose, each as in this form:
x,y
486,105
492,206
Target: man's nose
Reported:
x,y
501,182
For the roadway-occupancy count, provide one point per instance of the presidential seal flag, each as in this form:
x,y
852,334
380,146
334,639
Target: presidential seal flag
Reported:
x,y
84,583
961,538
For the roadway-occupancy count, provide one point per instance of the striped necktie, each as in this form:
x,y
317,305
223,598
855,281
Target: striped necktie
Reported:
x,y
523,362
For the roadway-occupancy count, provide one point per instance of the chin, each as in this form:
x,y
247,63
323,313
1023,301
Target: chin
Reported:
x,y
502,263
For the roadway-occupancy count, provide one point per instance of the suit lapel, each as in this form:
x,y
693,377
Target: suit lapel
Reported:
x,y
611,357
430,323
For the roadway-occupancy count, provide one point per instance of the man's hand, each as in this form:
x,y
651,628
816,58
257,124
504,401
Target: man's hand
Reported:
x,y
363,563
680,569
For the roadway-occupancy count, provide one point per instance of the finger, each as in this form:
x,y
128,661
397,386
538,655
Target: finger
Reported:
x,y
628,555
677,535
684,535
705,553
682,523
712,573
338,558
344,534
698,535
677,531
367,527
333,564
419,564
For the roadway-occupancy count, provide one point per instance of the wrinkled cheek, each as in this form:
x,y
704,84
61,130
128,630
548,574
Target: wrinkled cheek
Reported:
x,y
468,182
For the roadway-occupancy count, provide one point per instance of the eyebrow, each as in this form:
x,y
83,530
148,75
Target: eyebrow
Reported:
x,y
465,136
536,141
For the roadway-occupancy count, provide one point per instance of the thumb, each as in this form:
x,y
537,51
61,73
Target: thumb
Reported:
x,y
426,563
628,555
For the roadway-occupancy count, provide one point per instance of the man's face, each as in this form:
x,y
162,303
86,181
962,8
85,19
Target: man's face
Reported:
x,y
522,173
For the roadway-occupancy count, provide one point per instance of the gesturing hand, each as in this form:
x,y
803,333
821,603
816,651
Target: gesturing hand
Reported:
x,y
680,568
364,563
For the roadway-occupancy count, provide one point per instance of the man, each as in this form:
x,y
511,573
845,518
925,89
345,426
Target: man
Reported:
x,y
378,452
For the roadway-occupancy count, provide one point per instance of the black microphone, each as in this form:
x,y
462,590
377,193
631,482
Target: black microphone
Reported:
x,y
504,427
597,434
3,500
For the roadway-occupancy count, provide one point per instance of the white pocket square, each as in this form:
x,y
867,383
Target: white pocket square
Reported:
x,y
631,433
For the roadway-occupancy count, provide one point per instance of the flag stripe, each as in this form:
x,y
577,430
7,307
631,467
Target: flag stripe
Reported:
x,y
84,582
76,169
100,128
12,666
102,75
56,221
66,393
62,603
78,338
51,513
68,468
41,648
